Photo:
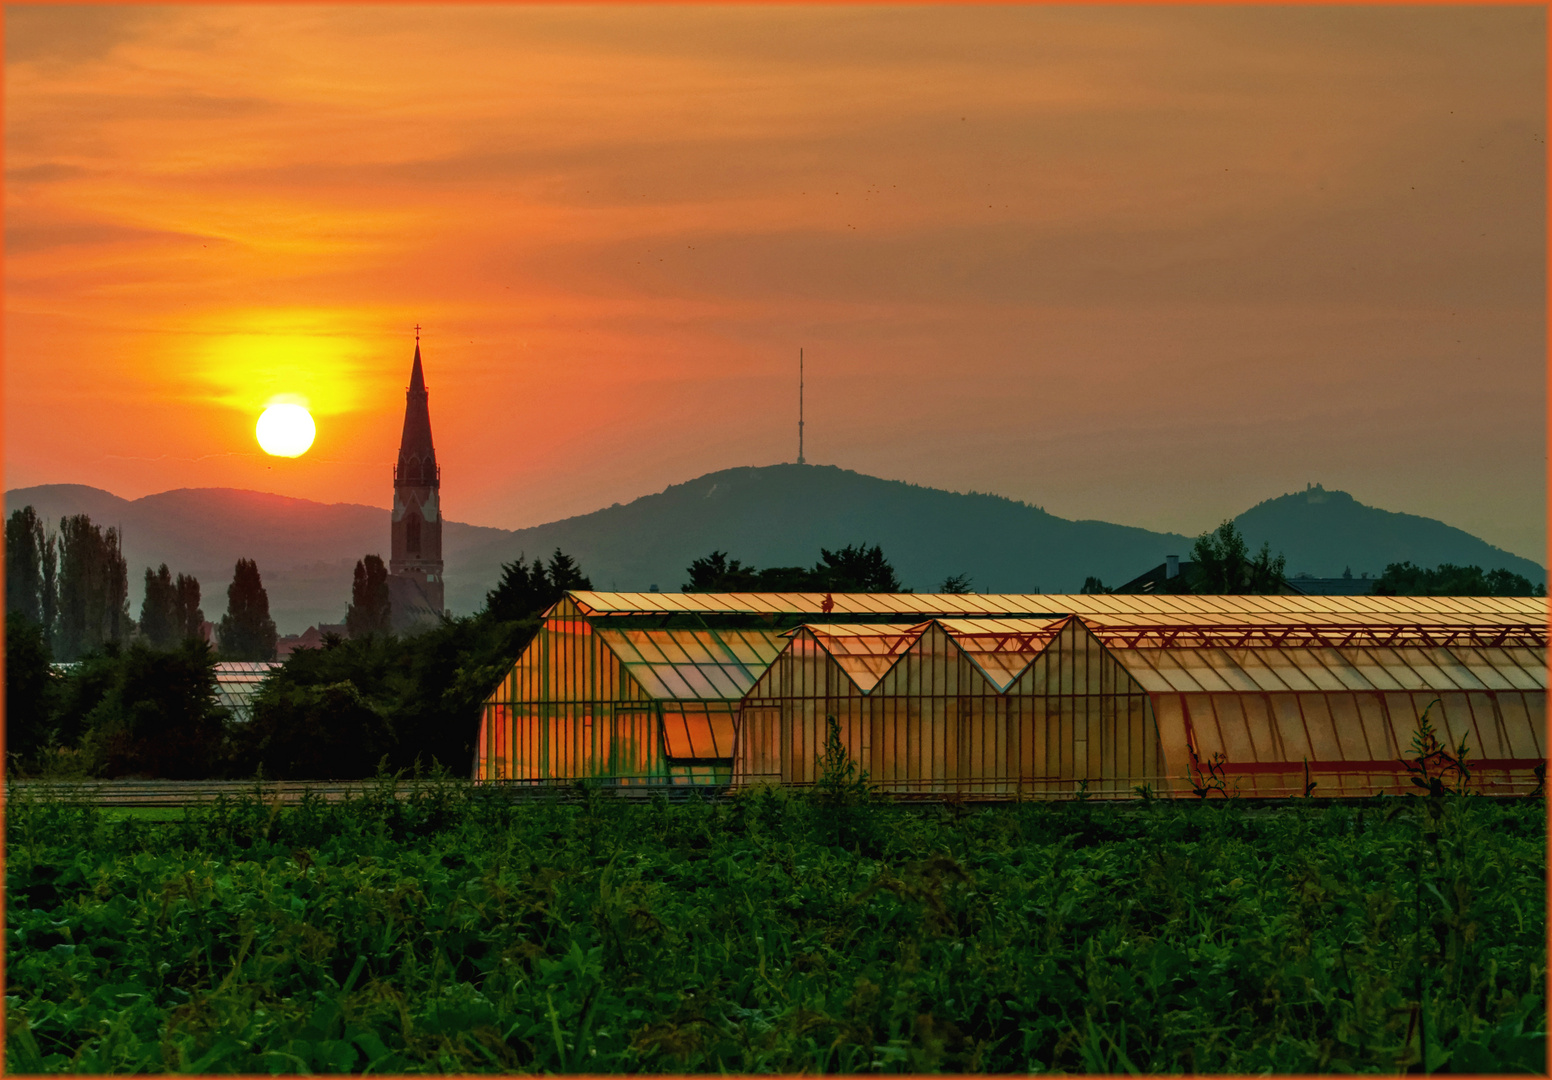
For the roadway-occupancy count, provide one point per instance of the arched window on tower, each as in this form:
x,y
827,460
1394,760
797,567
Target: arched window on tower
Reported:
x,y
412,534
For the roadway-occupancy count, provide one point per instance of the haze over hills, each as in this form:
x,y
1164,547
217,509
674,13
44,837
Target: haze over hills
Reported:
x,y
1324,532
305,550
774,515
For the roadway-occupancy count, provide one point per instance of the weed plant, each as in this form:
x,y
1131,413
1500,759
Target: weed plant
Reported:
x,y
442,928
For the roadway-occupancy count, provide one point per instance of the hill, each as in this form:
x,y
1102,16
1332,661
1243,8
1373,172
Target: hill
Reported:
x,y
781,515
305,550
775,515
1324,532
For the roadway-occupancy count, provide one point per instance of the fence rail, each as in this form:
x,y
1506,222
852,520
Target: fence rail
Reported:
x,y
185,792
177,793
174,793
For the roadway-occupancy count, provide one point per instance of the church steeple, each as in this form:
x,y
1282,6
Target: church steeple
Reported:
x,y
415,566
417,455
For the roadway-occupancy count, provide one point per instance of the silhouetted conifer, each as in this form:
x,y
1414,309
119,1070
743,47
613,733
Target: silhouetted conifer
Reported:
x,y
528,590
247,632
27,550
93,589
370,610
158,614
188,615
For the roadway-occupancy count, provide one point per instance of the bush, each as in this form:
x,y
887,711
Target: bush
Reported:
x,y
329,732
31,690
156,713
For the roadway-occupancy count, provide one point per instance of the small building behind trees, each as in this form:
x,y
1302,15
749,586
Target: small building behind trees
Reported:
x,y
1023,696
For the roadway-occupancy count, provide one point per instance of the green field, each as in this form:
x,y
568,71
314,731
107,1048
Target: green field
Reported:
x,y
458,932
143,813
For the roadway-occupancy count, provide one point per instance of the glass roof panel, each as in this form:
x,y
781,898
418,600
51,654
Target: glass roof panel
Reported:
x,y
1528,671
1309,665
1167,667
1421,661
645,644
1196,664
1140,666
650,678
683,681
1002,670
1258,667
672,646
1228,666
1453,669
1484,665
865,670
729,682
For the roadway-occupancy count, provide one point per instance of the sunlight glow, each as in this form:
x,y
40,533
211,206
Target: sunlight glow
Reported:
x,y
312,357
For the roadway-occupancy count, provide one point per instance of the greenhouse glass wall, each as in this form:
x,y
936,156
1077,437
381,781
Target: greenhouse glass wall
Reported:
x,y
621,701
1023,696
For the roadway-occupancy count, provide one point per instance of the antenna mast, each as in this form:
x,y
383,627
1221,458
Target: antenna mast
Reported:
x,y
800,406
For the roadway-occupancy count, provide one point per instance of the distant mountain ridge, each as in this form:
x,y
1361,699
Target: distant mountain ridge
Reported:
x,y
773,515
1332,531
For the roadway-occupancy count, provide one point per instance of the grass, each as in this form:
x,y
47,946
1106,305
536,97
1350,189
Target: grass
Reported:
x,y
143,813
454,931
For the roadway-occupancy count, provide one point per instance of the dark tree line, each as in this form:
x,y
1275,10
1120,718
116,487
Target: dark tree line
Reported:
x,y
145,703
377,698
73,584
854,568
527,590
170,612
1447,579
125,711
136,698
1221,563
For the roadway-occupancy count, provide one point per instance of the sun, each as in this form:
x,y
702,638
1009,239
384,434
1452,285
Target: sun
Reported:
x,y
285,430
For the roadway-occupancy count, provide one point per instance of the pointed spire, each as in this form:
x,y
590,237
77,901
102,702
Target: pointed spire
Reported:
x,y
417,377
417,455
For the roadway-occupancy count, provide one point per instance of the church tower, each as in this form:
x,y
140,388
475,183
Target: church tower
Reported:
x,y
415,560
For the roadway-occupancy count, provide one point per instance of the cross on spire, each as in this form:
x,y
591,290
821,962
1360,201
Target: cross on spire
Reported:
x,y
417,333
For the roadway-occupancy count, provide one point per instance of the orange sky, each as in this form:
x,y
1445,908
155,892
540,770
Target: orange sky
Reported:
x,y
1151,265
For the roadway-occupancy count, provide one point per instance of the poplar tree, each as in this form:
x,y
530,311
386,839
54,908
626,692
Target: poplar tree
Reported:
x,y
247,632
370,610
187,614
158,615
171,613
26,548
93,606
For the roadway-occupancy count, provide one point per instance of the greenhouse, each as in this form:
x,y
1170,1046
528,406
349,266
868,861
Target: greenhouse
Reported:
x,y
623,699
1023,696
